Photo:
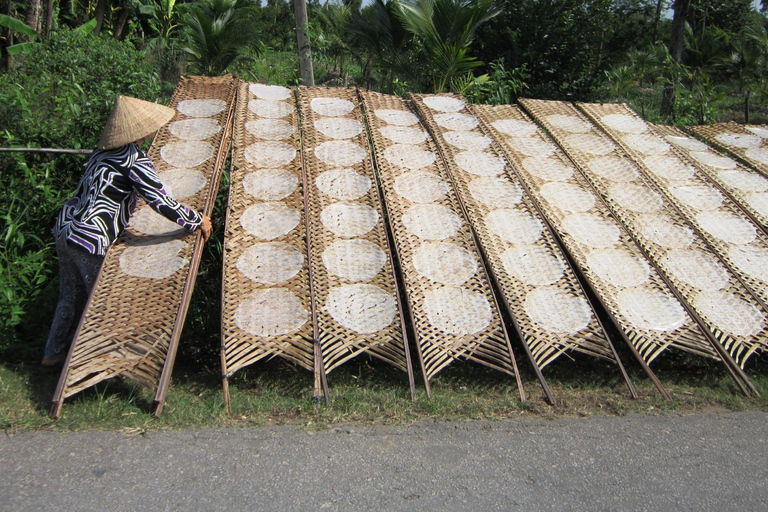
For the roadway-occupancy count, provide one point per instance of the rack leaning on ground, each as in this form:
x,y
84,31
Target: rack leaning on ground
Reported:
x,y
460,221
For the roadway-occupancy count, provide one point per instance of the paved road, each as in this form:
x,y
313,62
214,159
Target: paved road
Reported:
x,y
715,461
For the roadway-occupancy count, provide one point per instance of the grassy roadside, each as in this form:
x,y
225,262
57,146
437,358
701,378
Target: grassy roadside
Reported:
x,y
367,391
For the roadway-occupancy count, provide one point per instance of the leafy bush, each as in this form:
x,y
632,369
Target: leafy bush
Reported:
x,y
59,95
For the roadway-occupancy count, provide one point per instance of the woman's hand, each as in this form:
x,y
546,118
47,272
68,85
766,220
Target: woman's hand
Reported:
x,y
206,227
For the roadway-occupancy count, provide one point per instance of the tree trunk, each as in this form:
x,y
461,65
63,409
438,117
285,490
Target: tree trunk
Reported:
x,y
657,19
101,6
305,62
122,19
48,18
33,14
676,50
746,106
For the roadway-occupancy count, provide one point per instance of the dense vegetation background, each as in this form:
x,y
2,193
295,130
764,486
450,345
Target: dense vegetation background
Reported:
x,y
65,61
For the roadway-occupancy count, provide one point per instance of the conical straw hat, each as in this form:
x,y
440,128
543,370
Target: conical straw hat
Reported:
x,y
133,119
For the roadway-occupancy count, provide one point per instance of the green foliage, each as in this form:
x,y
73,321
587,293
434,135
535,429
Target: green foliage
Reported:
x,y
503,86
218,33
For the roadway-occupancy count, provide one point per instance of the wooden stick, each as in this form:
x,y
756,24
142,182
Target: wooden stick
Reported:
x,y
47,150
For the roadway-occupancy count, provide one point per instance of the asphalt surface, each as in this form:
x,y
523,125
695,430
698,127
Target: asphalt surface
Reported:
x,y
716,461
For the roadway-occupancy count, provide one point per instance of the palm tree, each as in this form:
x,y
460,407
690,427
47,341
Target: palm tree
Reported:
x,y
217,33
446,29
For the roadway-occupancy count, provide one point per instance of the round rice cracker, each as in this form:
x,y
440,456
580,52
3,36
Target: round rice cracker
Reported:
x,y
421,187
403,134
759,203
613,168
591,230
590,143
548,169
532,146
456,121
568,123
624,123
495,192
533,265
739,140
186,154
729,313
431,221
646,144
469,141
269,154
696,269
408,156
396,117
332,107
270,263
271,312
445,263
269,220
153,259
444,103
194,129
669,167
758,155
349,220
338,127
567,197
698,197
343,184
270,92
712,159
618,266
270,129
363,308
270,184
650,309
147,221
182,183
270,109
201,108
554,310
515,127
728,227
457,311
744,181
514,226
753,261
340,153
687,143
354,260
480,163
635,198
758,130
660,229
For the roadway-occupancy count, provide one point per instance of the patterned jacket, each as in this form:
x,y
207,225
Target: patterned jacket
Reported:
x,y
106,197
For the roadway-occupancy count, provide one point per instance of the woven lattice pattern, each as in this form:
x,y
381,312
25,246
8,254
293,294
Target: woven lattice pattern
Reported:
x,y
747,143
749,189
726,229
539,288
132,324
357,300
663,234
454,312
266,309
632,291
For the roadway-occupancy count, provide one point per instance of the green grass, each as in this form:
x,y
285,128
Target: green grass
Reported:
x,y
369,392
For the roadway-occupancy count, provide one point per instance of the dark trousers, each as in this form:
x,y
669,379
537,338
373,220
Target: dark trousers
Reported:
x,y
78,270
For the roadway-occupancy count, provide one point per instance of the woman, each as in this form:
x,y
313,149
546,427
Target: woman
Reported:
x,y
116,174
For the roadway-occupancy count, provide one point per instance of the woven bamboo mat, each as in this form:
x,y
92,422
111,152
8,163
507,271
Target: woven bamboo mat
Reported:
x,y
357,300
725,227
454,312
540,290
134,316
742,184
747,143
602,249
266,300
728,312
